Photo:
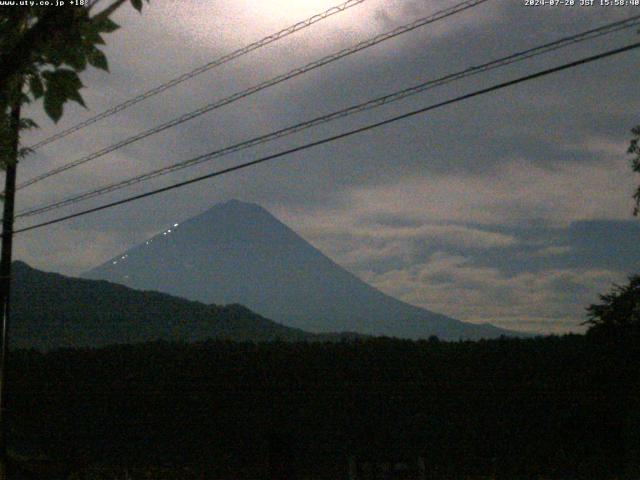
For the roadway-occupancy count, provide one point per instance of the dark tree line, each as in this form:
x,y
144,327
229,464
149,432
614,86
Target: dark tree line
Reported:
x,y
562,407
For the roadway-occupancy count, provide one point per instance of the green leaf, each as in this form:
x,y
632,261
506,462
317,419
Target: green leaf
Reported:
x,y
67,80
76,97
27,124
35,85
54,58
61,85
74,57
93,37
53,106
98,59
137,4
25,151
106,25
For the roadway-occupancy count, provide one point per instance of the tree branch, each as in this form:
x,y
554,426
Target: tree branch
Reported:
x,y
19,56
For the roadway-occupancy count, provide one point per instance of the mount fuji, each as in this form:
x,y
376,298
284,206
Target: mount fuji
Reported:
x,y
238,253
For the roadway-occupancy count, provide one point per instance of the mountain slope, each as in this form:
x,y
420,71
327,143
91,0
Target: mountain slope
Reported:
x,y
51,310
239,253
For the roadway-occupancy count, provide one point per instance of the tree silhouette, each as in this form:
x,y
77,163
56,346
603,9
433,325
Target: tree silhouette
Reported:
x,y
634,149
42,50
618,316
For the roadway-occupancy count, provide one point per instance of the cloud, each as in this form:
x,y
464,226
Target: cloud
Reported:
x,y
79,253
466,211
552,251
508,194
553,301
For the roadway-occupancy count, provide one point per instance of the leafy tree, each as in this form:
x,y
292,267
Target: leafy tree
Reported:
x,y
634,149
42,50
619,313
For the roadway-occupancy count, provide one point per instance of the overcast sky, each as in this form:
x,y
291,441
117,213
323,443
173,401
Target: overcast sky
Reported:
x,y
512,208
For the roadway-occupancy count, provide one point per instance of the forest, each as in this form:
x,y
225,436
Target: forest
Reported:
x,y
548,407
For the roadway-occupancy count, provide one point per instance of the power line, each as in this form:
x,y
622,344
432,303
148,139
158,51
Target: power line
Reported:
x,y
379,101
269,83
197,71
333,138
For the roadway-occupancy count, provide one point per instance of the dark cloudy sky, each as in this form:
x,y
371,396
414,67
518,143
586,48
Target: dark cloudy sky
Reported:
x,y
513,208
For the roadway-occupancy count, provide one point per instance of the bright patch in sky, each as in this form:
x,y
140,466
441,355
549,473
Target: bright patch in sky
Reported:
x,y
230,25
288,10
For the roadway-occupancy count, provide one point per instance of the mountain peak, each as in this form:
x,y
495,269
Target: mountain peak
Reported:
x,y
238,252
235,212
235,205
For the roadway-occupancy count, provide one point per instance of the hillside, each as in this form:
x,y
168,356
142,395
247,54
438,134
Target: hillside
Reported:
x,y
51,310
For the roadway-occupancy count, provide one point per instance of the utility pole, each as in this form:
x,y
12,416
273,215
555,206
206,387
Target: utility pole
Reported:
x,y
11,164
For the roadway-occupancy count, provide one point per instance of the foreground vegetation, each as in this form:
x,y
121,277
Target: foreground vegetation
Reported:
x,y
561,407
